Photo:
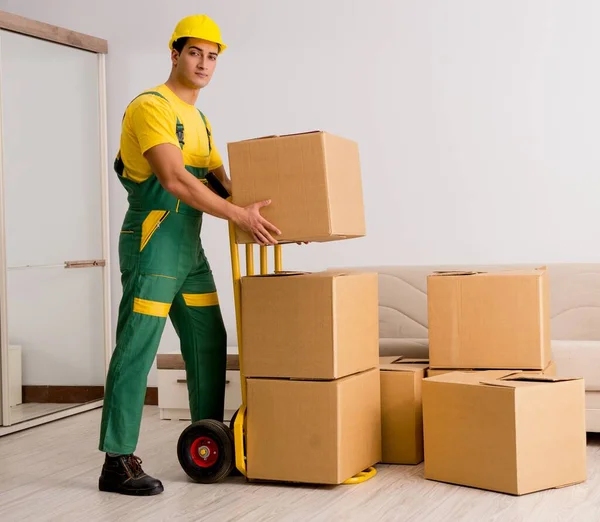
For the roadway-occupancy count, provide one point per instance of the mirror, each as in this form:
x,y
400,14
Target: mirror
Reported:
x,y
53,219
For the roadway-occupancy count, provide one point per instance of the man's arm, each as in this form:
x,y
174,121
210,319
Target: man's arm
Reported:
x,y
167,164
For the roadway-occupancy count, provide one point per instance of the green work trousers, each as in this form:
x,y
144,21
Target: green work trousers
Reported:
x,y
164,272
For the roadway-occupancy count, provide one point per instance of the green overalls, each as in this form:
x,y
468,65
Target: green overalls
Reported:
x,y
163,272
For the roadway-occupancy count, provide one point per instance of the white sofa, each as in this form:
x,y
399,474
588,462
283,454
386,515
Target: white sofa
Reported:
x,y
575,318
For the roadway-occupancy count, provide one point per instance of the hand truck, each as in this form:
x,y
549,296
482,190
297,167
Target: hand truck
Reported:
x,y
208,450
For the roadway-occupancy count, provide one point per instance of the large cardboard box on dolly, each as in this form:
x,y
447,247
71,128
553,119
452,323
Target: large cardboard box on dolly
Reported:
x,y
401,409
318,432
489,320
504,431
321,325
313,181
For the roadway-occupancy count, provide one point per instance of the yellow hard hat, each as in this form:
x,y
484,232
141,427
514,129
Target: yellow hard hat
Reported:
x,y
198,26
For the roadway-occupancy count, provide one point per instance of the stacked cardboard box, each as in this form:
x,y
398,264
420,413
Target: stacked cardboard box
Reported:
x,y
498,320
402,409
313,181
310,340
495,416
491,414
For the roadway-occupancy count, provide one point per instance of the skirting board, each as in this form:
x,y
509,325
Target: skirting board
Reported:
x,y
75,394
38,421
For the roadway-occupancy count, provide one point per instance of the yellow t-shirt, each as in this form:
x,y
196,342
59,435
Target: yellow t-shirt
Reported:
x,y
150,120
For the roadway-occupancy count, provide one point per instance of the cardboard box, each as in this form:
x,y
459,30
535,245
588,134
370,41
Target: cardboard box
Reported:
x,y
313,181
549,370
489,320
401,410
321,325
319,432
507,432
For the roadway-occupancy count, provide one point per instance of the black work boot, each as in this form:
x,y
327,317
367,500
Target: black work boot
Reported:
x,y
124,474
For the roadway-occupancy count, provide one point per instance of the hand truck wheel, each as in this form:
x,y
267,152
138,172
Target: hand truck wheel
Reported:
x,y
205,450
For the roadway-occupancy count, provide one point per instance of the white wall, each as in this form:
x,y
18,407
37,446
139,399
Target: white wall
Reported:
x,y
477,121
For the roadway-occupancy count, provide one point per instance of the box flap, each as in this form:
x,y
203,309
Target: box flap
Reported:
x,y
345,273
415,361
512,273
442,273
524,379
402,364
535,377
328,274
390,359
278,274
474,378
321,274
271,136
333,273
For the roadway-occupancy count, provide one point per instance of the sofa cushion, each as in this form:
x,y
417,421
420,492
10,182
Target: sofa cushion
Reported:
x,y
578,359
413,348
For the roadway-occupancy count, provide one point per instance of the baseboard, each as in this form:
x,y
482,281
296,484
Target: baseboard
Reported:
x,y
75,394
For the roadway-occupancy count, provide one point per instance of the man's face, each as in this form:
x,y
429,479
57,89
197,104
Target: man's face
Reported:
x,y
196,63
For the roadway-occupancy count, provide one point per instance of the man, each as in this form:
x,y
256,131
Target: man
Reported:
x,y
166,151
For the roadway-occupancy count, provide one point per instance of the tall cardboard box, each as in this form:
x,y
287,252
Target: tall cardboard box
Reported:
x,y
313,181
507,432
401,410
489,320
321,325
318,432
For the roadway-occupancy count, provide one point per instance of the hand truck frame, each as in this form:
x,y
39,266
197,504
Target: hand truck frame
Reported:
x,y
208,450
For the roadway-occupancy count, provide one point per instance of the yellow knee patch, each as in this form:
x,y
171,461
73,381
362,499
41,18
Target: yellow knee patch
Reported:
x,y
154,308
211,299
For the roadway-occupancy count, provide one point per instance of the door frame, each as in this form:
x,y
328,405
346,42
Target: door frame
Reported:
x,y
86,43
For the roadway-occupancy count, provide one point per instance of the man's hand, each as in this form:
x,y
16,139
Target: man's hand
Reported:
x,y
166,162
250,220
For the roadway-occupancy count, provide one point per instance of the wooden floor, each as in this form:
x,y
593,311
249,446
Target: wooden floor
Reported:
x,y
51,473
